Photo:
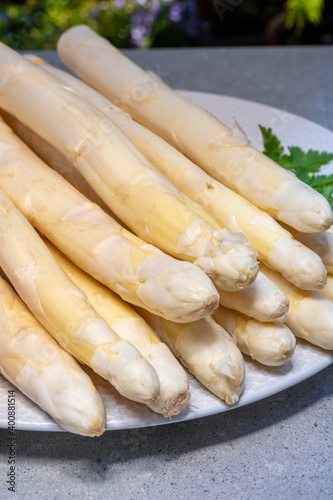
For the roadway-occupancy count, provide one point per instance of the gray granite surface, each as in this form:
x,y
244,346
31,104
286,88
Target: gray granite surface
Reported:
x,y
297,79
277,448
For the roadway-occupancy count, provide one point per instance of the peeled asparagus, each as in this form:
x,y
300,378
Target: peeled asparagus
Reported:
x,y
310,315
133,189
272,344
233,266
263,300
54,159
208,352
35,363
139,273
63,309
274,244
321,243
174,392
224,153
327,291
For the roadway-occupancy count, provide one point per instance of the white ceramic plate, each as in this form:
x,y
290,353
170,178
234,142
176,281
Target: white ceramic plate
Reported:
x,y
260,381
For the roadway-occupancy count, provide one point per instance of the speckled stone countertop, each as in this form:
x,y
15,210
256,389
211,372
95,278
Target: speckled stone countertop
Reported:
x,y
276,448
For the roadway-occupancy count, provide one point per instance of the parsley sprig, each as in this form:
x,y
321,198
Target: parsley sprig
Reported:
x,y
304,164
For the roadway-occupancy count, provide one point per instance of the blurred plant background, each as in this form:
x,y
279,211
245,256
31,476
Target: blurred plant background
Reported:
x,y
36,24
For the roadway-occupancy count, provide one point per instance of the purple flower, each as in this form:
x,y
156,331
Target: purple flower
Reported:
x,y
155,8
138,17
175,13
138,35
120,4
141,2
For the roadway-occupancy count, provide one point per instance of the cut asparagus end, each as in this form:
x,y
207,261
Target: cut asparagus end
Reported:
x,y
174,393
172,406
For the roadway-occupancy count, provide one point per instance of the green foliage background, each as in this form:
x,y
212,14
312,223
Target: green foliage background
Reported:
x,y
36,24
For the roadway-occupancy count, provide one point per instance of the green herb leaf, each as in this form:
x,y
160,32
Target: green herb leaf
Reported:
x,y
310,160
272,145
324,185
302,163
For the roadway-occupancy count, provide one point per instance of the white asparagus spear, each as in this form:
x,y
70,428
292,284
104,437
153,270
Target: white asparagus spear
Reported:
x,y
63,309
54,159
263,300
327,291
207,351
174,392
36,364
310,315
272,344
236,260
138,272
224,153
321,243
134,190
274,244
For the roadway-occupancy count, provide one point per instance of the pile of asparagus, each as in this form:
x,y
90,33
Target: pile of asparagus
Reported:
x,y
131,236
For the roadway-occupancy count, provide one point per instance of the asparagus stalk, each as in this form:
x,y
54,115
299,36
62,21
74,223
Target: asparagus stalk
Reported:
x,y
224,153
54,159
310,315
174,392
138,272
271,344
321,243
35,363
327,291
133,189
274,244
234,265
263,300
63,309
208,352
